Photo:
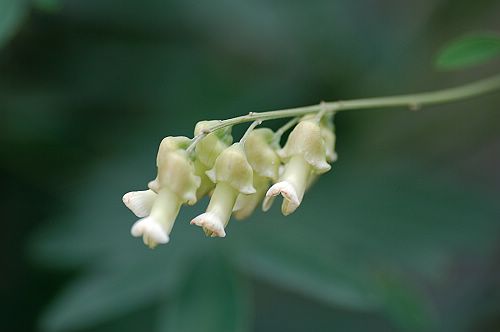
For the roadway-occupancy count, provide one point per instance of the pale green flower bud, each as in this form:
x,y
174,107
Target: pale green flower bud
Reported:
x,y
260,150
233,175
329,138
206,185
246,204
207,150
261,153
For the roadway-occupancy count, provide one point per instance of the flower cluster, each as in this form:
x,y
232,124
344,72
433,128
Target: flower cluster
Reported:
x,y
237,176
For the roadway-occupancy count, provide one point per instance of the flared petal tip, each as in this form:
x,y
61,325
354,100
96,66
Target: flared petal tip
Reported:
x,y
211,222
267,203
151,231
286,189
139,202
291,200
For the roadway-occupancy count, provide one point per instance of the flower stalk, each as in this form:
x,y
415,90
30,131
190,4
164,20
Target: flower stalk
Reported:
x,y
410,101
239,176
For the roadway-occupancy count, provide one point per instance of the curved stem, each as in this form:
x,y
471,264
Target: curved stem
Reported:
x,y
412,101
249,129
283,129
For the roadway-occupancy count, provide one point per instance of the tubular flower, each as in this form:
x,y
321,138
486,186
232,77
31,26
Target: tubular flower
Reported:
x,y
260,150
233,175
304,155
174,185
207,151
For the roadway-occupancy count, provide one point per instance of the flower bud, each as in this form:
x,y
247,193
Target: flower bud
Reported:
x,y
233,175
246,204
260,150
329,139
207,150
206,185
261,153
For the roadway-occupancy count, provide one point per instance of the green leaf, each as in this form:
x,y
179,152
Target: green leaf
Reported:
x,y
212,299
121,274
363,223
468,51
304,261
12,12
50,6
404,303
106,294
333,249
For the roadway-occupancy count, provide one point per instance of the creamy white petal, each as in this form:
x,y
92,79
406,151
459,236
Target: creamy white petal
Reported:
x,y
267,203
151,231
210,221
286,189
140,202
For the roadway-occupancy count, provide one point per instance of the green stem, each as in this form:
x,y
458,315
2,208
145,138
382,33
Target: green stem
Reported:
x,y
249,130
412,101
283,129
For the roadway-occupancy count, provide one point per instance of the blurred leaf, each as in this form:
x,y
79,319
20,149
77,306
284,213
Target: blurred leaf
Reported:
x,y
404,304
122,274
212,299
12,12
469,51
50,6
303,261
342,240
333,249
105,294
139,320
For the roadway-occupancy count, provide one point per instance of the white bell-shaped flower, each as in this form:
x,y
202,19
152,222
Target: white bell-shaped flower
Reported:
x,y
233,175
175,184
304,155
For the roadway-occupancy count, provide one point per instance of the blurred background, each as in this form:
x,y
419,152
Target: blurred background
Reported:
x,y
402,235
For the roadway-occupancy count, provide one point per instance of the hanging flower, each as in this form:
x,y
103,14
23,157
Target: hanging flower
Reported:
x,y
174,185
304,155
233,175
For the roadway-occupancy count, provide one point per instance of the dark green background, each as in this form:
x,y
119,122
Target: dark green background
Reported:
x,y
402,235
